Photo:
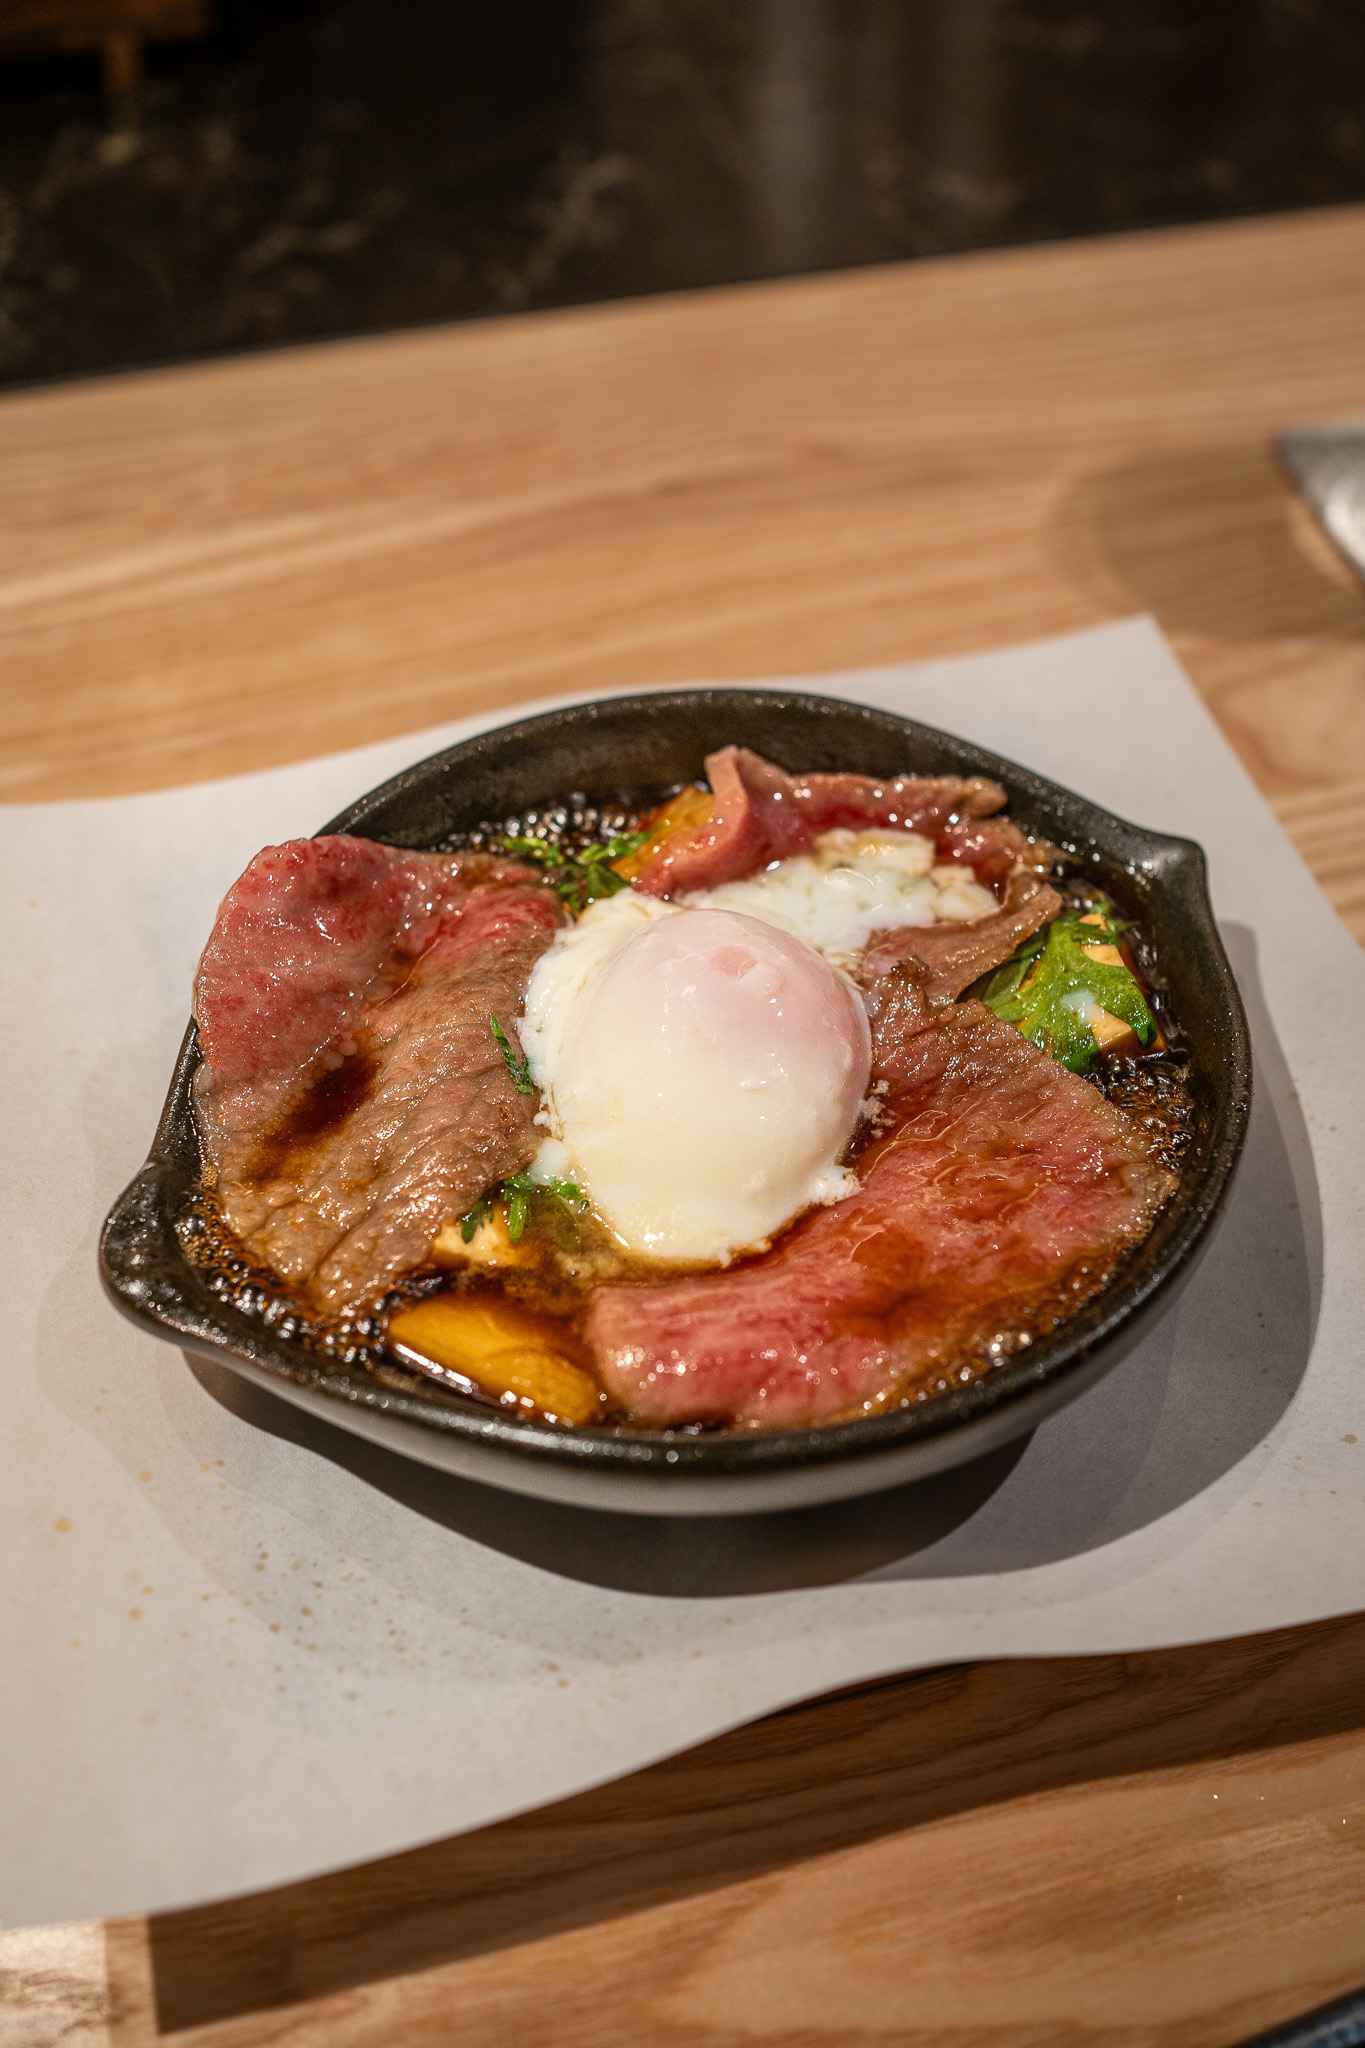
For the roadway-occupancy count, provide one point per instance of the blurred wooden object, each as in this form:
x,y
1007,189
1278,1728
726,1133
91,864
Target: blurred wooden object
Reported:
x,y
213,569
118,30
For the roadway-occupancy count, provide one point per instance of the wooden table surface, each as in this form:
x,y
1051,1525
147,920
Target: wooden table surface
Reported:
x,y
213,569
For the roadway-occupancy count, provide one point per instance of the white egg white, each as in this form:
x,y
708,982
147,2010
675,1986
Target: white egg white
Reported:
x,y
852,884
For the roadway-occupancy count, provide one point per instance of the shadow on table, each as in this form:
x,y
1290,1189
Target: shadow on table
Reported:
x,y
820,1778
1212,541
1201,1391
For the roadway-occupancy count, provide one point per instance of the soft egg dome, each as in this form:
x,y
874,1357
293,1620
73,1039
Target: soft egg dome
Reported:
x,y
706,1083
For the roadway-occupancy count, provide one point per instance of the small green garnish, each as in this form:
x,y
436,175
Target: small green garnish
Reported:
x,y
481,1213
520,1070
579,878
1049,982
516,1194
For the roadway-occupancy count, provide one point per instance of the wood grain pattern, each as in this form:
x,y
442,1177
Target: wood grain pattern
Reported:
x,y
1167,1848
215,569
872,1791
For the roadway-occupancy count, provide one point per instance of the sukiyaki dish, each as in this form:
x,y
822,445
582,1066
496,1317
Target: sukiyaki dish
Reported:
x,y
783,1100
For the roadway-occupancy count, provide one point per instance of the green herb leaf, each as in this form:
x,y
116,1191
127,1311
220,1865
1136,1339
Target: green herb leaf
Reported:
x,y
520,1070
481,1213
1048,984
564,1190
540,850
516,1194
579,878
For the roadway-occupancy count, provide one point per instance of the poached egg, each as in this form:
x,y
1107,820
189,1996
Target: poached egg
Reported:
x,y
704,1083
703,1063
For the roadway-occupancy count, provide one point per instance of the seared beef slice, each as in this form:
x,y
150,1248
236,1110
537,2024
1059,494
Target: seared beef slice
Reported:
x,y
925,966
353,1099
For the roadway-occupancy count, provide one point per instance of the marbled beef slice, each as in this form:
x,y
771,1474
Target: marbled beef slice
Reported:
x,y
997,1177
353,1099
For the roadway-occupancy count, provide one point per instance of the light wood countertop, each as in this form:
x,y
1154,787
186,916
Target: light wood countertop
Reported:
x,y
214,569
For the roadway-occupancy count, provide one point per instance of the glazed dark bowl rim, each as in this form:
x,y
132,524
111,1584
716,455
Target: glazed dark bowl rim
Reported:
x,y
137,1264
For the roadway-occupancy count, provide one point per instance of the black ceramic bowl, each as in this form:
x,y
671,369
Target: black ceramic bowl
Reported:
x,y
634,744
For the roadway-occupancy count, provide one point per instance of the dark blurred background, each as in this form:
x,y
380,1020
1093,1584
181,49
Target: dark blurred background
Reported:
x,y
322,167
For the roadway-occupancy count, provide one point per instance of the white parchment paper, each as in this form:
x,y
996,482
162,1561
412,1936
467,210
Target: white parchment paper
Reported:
x,y
240,1646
